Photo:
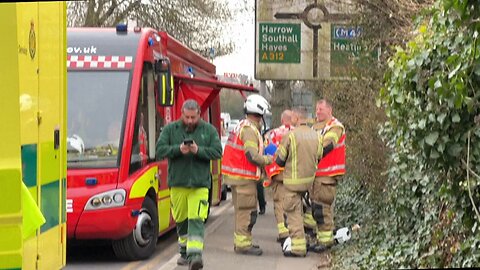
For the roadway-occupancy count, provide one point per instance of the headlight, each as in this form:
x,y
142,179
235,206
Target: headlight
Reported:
x,y
118,197
109,199
96,202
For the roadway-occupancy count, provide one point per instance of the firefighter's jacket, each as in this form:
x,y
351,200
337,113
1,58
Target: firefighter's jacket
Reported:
x,y
243,154
299,152
332,164
274,170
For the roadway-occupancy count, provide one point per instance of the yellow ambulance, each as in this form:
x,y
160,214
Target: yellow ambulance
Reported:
x,y
32,135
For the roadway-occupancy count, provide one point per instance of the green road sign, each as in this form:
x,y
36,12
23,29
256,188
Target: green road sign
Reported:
x,y
349,56
279,42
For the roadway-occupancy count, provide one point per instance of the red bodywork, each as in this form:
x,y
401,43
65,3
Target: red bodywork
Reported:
x,y
116,223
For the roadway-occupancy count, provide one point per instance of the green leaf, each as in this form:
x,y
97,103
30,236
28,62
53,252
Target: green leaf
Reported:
x,y
456,118
421,123
441,147
441,117
431,138
437,84
454,150
434,154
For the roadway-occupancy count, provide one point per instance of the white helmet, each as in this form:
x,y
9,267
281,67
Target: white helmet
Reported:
x,y
342,235
256,104
77,143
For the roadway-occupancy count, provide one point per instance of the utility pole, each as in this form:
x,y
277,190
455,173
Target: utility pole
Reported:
x,y
281,100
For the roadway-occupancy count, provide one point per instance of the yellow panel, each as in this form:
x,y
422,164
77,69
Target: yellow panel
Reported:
x,y
50,56
163,214
30,247
28,67
10,157
52,110
144,183
50,256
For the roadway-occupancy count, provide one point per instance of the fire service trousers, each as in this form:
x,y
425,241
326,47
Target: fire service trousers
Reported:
x,y
323,196
292,205
190,209
245,205
278,192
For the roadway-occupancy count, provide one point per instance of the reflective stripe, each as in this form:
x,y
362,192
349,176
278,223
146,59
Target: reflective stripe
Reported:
x,y
234,145
294,155
320,146
194,250
299,245
281,228
332,168
282,149
182,244
332,123
339,144
332,135
194,246
250,144
309,221
242,241
164,88
182,240
298,181
195,238
325,237
236,170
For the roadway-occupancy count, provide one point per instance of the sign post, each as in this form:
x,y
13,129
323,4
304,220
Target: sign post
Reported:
x,y
308,40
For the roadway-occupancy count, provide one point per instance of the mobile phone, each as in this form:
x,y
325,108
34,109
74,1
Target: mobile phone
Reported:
x,y
187,141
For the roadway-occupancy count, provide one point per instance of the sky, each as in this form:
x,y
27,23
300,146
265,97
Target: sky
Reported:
x,y
242,59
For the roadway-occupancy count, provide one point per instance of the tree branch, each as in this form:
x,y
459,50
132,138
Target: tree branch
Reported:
x,y
108,13
468,177
127,11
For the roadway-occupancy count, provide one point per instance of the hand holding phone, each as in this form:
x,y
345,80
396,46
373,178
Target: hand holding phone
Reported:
x,y
185,146
187,141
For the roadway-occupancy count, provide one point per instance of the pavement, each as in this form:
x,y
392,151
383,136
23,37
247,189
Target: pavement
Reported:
x,y
218,250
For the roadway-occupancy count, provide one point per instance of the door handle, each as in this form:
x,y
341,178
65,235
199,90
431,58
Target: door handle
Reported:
x,y
56,138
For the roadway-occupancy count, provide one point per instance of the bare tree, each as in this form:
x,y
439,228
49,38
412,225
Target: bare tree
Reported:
x,y
201,24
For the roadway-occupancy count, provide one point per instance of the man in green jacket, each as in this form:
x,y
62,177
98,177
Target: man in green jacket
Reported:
x,y
189,144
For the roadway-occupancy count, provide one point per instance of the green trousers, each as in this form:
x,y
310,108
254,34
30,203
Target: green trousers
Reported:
x,y
190,209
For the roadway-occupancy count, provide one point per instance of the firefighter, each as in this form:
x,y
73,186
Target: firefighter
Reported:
x,y
299,153
330,170
189,144
275,173
242,162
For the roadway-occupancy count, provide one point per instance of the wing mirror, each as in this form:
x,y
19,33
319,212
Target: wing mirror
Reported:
x,y
165,82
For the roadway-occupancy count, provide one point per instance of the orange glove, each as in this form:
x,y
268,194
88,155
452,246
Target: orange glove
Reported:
x,y
267,183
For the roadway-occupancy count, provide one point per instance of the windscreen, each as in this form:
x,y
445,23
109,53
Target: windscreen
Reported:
x,y
96,105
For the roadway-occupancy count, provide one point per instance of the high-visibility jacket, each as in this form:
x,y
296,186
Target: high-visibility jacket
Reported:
x,y
276,136
234,162
334,162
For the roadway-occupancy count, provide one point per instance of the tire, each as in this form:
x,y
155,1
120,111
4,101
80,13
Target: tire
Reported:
x,y
141,243
224,193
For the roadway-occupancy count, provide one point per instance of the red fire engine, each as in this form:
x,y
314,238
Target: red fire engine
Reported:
x,y
124,85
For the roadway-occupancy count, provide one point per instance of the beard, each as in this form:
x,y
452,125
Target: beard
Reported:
x,y
190,127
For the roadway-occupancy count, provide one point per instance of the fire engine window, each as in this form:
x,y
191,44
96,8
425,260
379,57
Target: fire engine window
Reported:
x,y
96,104
143,144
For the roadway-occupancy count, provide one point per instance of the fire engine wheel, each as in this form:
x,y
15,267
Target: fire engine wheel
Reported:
x,y
224,192
140,244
